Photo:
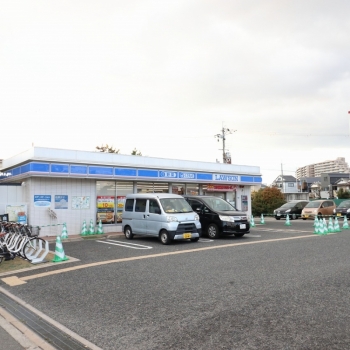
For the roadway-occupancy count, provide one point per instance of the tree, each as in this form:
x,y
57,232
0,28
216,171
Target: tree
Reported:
x,y
107,149
266,200
343,194
135,152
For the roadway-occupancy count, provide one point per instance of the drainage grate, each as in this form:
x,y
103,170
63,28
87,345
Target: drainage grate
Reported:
x,y
51,334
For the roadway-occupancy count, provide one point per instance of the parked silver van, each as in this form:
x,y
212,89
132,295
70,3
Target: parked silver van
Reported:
x,y
164,215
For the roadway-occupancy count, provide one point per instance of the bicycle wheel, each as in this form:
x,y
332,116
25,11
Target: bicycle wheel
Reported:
x,y
33,248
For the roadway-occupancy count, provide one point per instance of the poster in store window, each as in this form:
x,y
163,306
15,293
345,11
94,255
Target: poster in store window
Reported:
x,y
120,207
105,209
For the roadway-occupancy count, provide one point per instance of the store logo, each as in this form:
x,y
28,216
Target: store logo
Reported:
x,y
5,174
172,174
220,177
187,175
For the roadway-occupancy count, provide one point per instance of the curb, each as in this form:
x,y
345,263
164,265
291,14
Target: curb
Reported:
x,y
77,238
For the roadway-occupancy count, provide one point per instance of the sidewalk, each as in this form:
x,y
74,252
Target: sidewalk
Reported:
x,y
14,333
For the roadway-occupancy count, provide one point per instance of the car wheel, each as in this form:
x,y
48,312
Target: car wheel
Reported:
x,y
164,237
319,216
213,231
304,218
294,216
195,239
239,234
128,232
278,218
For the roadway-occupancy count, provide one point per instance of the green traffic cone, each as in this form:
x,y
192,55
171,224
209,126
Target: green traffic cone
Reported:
x,y
320,227
336,225
345,224
59,252
262,221
64,234
100,228
252,223
91,229
287,223
330,226
84,230
317,227
325,226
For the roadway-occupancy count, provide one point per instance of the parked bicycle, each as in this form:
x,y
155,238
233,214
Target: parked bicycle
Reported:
x,y
18,240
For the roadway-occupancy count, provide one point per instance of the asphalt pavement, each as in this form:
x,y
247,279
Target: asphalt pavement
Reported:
x,y
280,287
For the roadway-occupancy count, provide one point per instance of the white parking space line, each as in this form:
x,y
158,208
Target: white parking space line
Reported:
x,y
205,240
279,230
126,244
254,235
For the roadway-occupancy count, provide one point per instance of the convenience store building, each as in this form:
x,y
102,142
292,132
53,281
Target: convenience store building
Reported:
x,y
47,187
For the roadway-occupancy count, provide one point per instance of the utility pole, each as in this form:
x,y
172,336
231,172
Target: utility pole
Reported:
x,y
224,132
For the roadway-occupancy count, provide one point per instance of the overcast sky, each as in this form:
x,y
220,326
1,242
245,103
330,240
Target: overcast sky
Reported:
x,y
166,76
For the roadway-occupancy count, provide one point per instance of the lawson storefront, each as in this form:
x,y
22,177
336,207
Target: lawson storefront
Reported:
x,y
66,186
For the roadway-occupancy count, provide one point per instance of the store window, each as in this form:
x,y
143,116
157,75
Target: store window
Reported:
x,y
111,199
178,189
151,187
192,190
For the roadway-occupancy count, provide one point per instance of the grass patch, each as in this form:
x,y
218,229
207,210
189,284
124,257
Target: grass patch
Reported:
x,y
18,263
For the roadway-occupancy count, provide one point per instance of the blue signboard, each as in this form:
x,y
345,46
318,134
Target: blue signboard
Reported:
x,y
187,176
61,201
42,200
168,174
226,178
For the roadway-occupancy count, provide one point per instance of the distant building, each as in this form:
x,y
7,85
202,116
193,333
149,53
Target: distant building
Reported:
x,y
290,187
329,166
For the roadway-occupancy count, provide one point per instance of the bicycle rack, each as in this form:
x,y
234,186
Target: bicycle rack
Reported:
x,y
38,253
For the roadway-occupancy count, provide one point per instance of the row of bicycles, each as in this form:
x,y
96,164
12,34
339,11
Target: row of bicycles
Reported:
x,y
19,240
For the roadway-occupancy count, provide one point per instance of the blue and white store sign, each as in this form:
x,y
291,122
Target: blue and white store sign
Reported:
x,y
226,178
42,200
93,171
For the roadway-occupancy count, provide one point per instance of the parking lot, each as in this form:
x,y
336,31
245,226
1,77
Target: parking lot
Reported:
x,y
279,287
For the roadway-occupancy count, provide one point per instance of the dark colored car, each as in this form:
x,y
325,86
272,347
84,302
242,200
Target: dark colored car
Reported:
x,y
292,209
342,209
218,217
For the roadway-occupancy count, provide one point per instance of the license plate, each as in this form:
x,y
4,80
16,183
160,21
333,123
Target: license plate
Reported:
x,y
306,216
186,235
338,214
278,214
242,226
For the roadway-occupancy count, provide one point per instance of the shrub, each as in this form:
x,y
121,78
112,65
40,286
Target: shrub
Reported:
x,y
266,200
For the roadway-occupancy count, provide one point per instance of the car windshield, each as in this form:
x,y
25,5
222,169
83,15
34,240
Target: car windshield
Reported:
x,y
217,203
175,205
345,204
314,204
287,205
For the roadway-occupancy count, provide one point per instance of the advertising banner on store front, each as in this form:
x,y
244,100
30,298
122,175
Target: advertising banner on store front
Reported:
x,y
106,209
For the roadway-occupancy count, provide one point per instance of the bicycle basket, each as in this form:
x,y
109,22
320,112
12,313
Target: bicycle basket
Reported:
x,y
33,231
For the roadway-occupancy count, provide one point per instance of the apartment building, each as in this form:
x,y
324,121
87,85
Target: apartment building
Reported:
x,y
329,166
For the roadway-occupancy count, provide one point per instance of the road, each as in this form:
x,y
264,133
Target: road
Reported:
x,y
280,287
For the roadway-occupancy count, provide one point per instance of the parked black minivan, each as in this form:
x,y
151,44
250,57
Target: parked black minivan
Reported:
x,y
293,209
218,217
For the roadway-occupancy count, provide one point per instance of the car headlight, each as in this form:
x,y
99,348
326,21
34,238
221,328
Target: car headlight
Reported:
x,y
348,211
333,211
226,218
196,217
171,218
287,211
